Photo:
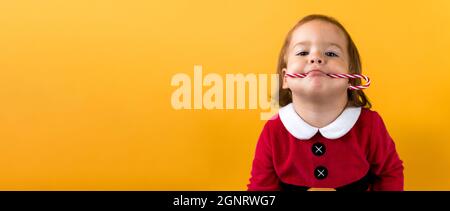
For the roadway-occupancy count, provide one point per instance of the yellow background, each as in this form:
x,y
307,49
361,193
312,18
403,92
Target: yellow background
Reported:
x,y
85,88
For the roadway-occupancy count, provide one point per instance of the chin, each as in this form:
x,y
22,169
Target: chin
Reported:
x,y
317,92
317,88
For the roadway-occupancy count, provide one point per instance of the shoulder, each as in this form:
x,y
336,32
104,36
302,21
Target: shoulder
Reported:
x,y
375,125
273,124
371,117
371,124
274,129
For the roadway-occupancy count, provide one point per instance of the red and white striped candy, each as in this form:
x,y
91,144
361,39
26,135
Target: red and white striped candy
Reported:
x,y
296,75
338,75
358,87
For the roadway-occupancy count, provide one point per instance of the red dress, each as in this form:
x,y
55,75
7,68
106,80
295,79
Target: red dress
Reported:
x,y
292,153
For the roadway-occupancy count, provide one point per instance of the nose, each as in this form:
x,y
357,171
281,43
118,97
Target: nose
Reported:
x,y
316,60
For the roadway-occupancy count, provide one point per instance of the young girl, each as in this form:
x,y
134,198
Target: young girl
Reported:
x,y
324,137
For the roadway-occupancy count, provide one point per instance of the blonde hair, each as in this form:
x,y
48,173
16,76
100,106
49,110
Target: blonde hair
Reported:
x,y
355,97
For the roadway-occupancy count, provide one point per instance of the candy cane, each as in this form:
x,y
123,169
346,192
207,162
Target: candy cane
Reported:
x,y
297,75
338,75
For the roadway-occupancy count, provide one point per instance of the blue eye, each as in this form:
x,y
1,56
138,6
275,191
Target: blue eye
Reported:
x,y
302,53
331,54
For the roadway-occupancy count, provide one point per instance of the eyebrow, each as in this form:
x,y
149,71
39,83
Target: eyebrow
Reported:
x,y
308,43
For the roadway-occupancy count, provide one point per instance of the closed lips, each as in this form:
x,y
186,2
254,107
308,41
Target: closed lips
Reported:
x,y
315,72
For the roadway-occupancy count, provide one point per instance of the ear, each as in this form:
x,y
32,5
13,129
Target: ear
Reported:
x,y
283,74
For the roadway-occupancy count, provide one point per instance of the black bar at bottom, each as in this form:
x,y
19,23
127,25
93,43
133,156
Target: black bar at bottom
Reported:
x,y
148,200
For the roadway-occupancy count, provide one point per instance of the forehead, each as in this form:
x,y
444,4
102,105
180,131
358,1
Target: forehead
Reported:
x,y
319,32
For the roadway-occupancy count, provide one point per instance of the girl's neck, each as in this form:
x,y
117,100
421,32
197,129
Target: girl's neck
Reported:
x,y
320,113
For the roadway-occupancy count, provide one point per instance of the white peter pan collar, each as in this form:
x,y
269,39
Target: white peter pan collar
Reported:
x,y
302,130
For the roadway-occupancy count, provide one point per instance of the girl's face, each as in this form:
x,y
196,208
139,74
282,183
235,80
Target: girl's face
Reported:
x,y
317,48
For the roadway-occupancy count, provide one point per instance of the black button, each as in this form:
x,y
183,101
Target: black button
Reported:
x,y
320,172
318,149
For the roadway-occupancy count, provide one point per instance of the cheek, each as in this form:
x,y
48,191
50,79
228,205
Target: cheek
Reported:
x,y
339,66
295,66
338,85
